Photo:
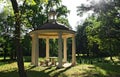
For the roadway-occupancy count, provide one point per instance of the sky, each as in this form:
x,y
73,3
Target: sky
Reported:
x,y
1,7
72,17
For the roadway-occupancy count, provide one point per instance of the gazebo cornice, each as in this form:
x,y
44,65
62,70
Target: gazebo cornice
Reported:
x,y
52,31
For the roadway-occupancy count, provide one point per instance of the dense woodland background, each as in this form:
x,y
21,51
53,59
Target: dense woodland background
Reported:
x,y
97,36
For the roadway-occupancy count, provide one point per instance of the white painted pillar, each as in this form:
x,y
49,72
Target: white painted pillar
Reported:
x,y
35,49
65,49
33,52
73,51
47,48
60,50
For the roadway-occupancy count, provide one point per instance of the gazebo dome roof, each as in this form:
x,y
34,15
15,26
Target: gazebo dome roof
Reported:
x,y
51,30
53,25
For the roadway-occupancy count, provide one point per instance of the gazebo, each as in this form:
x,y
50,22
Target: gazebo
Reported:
x,y
53,30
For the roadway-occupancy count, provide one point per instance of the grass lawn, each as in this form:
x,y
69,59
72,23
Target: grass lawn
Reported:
x,y
9,69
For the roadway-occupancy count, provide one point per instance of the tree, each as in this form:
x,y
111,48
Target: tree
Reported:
x,y
6,30
82,40
106,12
17,34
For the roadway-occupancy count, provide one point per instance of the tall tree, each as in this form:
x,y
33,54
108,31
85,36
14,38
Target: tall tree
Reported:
x,y
20,63
81,37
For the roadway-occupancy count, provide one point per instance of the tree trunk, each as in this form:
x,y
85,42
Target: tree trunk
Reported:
x,y
111,52
5,54
20,63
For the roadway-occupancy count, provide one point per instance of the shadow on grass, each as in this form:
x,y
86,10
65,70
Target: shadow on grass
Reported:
x,y
4,63
61,71
112,70
46,72
32,73
7,61
38,73
9,74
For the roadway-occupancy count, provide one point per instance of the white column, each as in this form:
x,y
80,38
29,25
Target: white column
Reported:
x,y
60,50
65,49
33,52
73,51
47,48
35,49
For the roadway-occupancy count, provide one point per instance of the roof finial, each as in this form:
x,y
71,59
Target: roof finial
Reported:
x,y
52,15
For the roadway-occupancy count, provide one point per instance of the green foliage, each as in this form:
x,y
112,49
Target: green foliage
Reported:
x,y
82,38
62,11
64,21
54,47
35,13
103,28
26,45
6,30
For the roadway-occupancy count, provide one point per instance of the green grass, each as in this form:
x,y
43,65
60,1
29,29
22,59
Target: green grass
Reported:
x,y
9,69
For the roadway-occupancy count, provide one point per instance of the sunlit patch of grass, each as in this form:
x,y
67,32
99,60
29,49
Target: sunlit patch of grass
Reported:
x,y
84,70
7,58
101,71
115,58
8,67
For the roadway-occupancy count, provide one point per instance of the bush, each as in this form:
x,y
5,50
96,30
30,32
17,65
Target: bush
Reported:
x,y
27,58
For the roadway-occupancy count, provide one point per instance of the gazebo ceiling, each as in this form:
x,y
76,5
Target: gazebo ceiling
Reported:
x,y
51,30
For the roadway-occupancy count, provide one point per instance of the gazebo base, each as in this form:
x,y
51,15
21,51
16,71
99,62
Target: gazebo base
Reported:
x,y
65,65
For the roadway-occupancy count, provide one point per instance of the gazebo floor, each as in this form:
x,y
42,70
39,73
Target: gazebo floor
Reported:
x,y
56,64
67,64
